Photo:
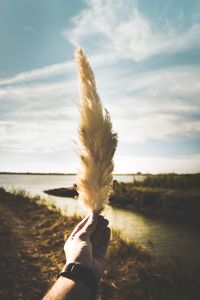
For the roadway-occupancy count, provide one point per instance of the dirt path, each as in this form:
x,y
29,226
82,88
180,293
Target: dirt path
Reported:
x,y
30,256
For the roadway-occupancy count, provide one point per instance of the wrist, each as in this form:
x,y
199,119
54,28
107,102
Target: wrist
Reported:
x,y
75,289
85,265
82,274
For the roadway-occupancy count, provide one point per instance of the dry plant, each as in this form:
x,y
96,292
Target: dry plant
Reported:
x,y
97,141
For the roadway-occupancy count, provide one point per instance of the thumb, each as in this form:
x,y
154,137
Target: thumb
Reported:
x,y
91,224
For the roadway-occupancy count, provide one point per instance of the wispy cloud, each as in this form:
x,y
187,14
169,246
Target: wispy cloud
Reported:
x,y
120,28
43,119
153,104
53,71
32,136
39,92
19,26
38,74
149,106
182,164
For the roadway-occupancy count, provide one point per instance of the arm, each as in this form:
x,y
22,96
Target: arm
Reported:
x,y
87,245
68,289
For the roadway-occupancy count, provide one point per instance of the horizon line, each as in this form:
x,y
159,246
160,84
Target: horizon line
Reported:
x,y
73,174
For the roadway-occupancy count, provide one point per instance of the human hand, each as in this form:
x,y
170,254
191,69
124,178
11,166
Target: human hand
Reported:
x,y
88,243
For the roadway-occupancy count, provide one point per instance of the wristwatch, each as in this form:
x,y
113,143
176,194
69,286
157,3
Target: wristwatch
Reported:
x,y
77,271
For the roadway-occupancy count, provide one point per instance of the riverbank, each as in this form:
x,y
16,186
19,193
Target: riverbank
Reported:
x,y
169,195
166,195
31,254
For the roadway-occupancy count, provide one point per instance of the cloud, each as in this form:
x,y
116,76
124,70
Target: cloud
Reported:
x,y
40,118
41,73
38,109
38,92
36,137
153,105
182,164
54,70
120,29
160,104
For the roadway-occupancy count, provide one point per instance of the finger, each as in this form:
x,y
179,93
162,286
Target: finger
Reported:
x,y
79,226
91,223
99,221
99,232
104,242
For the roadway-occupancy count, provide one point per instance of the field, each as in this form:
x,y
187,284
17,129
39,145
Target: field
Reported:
x,y
31,254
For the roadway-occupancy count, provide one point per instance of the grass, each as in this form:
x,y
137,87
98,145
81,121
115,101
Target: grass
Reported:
x,y
167,194
171,181
133,273
31,247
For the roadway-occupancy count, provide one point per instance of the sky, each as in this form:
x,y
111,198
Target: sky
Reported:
x,y
146,59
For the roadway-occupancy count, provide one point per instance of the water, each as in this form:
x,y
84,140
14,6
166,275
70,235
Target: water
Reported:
x,y
165,238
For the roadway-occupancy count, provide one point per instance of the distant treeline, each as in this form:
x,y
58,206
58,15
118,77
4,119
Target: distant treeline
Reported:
x,y
31,173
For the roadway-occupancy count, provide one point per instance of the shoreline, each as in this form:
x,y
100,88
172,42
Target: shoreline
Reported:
x,y
164,216
180,216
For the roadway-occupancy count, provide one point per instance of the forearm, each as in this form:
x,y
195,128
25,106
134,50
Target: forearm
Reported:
x,y
67,289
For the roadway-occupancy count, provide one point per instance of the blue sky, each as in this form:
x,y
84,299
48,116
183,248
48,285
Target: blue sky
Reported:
x,y
146,59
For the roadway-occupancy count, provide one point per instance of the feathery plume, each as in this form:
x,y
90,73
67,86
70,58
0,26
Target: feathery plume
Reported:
x,y
97,141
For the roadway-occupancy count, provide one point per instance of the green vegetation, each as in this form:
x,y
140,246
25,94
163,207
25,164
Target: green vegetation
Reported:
x,y
168,194
171,181
31,249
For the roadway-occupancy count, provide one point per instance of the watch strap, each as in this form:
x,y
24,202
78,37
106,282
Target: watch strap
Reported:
x,y
77,271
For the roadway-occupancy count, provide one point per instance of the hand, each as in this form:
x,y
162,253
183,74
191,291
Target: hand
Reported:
x,y
88,243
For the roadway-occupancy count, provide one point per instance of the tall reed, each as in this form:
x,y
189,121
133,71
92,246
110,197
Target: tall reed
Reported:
x,y
97,141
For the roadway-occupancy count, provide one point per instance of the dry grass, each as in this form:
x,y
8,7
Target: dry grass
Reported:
x,y
31,254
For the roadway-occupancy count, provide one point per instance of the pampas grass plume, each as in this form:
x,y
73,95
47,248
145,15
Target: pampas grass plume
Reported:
x,y
97,141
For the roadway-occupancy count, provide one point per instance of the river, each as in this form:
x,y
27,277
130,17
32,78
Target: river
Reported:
x,y
165,238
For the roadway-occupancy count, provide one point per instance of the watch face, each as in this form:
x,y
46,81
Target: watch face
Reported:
x,y
72,268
